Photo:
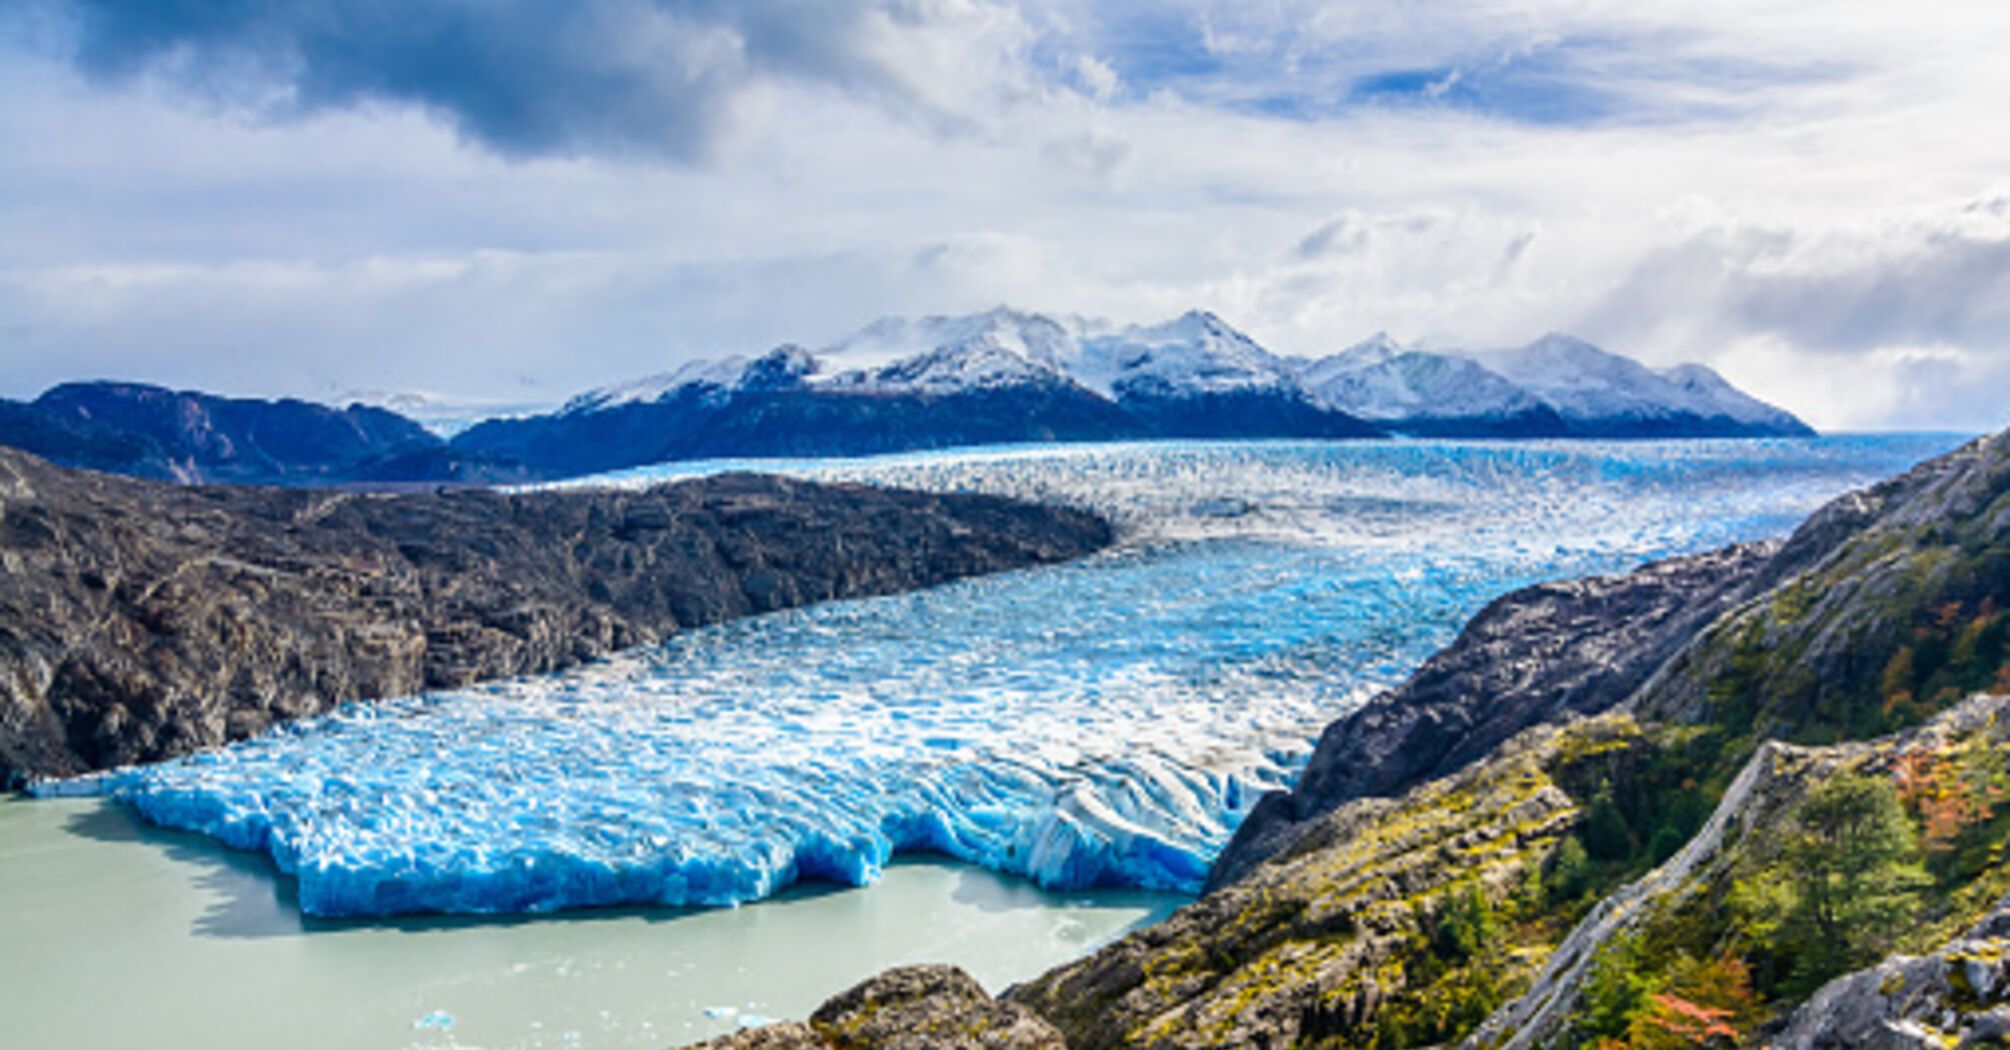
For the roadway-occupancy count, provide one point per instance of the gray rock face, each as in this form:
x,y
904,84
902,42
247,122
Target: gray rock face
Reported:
x,y
1533,656
1958,996
1852,587
911,1008
141,620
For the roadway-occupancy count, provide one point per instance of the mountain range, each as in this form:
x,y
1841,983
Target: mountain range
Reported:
x,y
901,384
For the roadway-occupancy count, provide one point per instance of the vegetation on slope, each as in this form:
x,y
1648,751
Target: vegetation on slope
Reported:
x,y
1390,923
1843,855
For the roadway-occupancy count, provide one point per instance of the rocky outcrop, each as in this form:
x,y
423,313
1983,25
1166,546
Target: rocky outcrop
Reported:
x,y
1537,655
1351,929
912,1008
141,620
1958,996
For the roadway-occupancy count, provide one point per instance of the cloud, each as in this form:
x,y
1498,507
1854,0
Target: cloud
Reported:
x,y
1541,63
529,77
1097,77
1914,307
424,195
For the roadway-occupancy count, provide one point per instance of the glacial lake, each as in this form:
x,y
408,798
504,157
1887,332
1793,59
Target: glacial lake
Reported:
x,y
117,934
1096,728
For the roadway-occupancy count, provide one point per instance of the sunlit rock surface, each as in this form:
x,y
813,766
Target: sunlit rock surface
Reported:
x,y
1103,722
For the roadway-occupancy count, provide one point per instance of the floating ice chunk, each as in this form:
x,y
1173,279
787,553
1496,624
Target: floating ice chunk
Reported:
x,y
721,1013
438,1020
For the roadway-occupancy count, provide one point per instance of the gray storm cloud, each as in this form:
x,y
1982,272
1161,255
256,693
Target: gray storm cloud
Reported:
x,y
525,77
1939,281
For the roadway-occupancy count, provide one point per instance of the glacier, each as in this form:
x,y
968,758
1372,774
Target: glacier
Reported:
x,y
1102,723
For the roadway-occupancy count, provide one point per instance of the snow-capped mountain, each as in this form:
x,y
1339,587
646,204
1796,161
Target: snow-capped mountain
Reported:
x,y
1374,350
905,383
1193,354
1703,383
1427,394
1596,391
939,356
1557,386
1009,376
1034,338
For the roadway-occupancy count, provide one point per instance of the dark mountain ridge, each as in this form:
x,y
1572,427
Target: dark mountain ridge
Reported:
x,y
187,436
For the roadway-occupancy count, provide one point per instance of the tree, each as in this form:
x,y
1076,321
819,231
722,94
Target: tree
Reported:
x,y
1465,924
1606,834
1707,1003
1569,872
1846,878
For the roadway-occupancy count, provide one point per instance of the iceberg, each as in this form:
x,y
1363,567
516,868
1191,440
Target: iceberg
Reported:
x,y
1103,723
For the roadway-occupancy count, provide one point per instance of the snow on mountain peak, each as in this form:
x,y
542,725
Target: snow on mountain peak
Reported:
x,y
942,354
785,366
1583,381
1409,384
1706,386
1369,352
1195,353
720,372
1036,337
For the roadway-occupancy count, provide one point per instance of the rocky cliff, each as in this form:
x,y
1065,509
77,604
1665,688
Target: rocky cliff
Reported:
x,y
1368,929
142,620
1885,606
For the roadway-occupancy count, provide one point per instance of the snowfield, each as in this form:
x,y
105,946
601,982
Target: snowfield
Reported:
x,y
1107,722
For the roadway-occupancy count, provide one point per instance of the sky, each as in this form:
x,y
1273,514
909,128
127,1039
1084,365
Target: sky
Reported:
x,y
514,200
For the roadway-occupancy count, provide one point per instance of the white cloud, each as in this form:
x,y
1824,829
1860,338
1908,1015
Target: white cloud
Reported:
x,y
1097,77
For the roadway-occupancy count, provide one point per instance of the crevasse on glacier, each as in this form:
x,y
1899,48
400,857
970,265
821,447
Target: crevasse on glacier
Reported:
x,y
1102,723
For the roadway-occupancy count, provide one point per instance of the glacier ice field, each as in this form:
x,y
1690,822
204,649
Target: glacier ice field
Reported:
x,y
1106,722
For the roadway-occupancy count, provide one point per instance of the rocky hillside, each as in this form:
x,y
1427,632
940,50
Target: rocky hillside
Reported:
x,y
1587,822
1376,926
1957,992
142,620
1816,860
1887,605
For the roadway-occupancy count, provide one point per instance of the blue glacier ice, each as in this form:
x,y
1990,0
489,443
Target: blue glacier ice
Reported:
x,y
1107,722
